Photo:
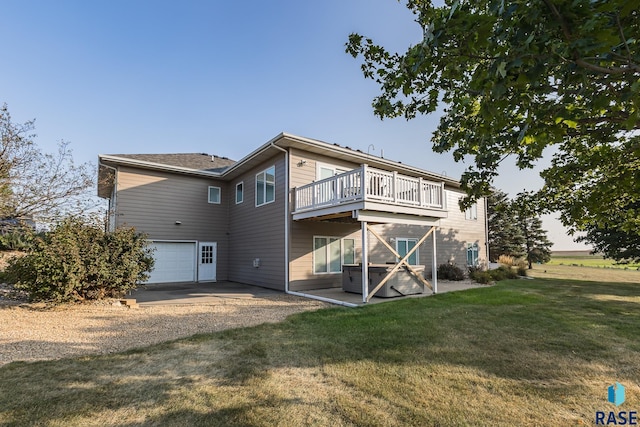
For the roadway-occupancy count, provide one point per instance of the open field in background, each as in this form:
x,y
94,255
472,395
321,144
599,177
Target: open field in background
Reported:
x,y
522,352
584,259
557,271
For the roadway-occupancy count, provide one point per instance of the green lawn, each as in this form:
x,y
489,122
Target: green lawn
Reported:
x,y
523,352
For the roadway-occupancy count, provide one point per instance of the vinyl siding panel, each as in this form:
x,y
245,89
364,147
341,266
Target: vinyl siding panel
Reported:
x,y
452,236
304,166
153,201
301,276
456,232
305,173
258,231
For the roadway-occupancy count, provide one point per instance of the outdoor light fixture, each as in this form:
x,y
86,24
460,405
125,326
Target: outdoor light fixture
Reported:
x,y
302,163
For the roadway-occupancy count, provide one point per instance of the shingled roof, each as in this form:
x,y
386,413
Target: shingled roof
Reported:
x,y
197,161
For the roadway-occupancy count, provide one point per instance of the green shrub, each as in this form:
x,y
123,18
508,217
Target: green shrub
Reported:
x,y
481,276
79,261
450,272
501,273
16,240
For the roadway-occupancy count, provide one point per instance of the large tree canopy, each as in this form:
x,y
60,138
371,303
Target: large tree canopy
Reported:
x,y
516,77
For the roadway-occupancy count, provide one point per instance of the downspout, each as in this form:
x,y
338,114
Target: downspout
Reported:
x,y
112,200
486,230
287,179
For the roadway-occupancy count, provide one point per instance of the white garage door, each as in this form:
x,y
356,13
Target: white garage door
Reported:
x,y
175,262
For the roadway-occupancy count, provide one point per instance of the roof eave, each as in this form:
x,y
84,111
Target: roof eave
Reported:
x,y
121,161
370,159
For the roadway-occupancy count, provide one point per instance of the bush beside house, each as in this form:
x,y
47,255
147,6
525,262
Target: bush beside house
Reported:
x,y
79,261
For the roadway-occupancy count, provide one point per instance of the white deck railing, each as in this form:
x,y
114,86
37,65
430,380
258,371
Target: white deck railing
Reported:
x,y
378,185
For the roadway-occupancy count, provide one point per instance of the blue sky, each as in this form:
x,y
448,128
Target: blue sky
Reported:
x,y
218,77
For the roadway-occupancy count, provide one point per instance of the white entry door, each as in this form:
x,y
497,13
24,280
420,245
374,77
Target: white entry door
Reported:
x,y
207,261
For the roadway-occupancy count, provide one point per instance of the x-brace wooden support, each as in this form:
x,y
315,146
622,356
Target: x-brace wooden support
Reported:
x,y
403,261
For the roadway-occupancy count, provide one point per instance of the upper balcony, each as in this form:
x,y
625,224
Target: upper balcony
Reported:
x,y
370,189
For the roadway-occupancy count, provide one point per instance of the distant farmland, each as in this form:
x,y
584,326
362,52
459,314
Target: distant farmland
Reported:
x,y
584,258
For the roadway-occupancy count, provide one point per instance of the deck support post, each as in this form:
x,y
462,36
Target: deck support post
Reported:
x,y
365,263
434,265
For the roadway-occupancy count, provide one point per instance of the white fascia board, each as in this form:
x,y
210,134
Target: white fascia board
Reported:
x,y
156,166
264,147
390,218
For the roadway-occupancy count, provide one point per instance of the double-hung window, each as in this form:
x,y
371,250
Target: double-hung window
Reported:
x,y
404,245
471,213
214,195
472,254
330,253
266,186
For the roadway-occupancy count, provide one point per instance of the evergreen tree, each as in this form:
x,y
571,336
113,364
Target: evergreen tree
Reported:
x,y
505,236
537,246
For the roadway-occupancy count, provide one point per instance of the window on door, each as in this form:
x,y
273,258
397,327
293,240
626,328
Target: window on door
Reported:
x,y
327,171
206,254
404,245
330,253
348,251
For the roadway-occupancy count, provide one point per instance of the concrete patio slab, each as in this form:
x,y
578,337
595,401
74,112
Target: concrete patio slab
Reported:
x,y
213,293
197,293
349,298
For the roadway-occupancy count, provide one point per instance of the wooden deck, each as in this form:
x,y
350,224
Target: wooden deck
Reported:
x,y
366,184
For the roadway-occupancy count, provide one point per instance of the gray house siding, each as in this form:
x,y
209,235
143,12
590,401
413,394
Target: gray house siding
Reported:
x,y
257,232
452,236
304,166
301,272
152,202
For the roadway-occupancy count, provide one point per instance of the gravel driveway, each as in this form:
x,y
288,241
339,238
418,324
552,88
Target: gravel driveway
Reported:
x,y
29,333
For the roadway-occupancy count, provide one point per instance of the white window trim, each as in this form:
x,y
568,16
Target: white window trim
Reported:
x,y
242,199
209,195
265,187
471,213
475,248
341,240
416,252
337,170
